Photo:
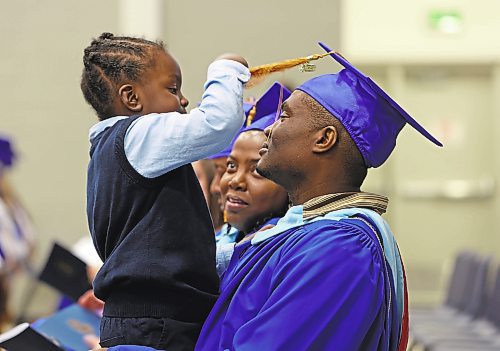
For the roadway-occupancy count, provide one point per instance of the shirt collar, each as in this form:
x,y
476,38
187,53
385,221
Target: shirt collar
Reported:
x,y
323,204
293,218
99,127
329,206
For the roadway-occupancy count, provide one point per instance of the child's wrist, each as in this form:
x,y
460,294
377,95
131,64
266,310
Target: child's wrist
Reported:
x,y
224,67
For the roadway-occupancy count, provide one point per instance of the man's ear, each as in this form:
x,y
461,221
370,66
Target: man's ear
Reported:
x,y
129,98
325,139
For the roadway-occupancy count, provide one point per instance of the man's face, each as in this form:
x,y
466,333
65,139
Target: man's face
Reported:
x,y
286,154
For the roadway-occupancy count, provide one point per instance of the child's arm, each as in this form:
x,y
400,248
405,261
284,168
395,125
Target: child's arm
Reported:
x,y
158,143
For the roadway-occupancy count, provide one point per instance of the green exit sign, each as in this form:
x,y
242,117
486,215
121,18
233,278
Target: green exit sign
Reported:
x,y
446,21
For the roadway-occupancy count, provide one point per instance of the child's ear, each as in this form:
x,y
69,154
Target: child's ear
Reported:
x,y
129,98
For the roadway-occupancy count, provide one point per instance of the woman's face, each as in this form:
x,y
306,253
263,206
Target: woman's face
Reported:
x,y
249,197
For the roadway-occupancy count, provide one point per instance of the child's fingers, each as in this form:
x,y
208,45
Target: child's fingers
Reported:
x,y
234,57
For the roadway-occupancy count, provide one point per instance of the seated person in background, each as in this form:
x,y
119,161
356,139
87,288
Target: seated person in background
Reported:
x,y
219,161
17,232
205,172
142,193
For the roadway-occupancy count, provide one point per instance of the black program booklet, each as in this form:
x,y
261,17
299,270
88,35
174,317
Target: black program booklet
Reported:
x,y
65,272
63,330
24,338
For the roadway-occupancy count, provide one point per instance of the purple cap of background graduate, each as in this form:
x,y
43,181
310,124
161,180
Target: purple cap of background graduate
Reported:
x,y
371,117
267,107
7,155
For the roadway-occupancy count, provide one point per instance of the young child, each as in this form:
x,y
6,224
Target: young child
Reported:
x,y
146,211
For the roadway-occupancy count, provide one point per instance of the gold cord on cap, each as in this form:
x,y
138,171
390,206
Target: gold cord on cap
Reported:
x,y
251,115
260,72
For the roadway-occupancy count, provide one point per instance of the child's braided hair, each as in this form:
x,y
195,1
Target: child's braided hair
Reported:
x,y
108,62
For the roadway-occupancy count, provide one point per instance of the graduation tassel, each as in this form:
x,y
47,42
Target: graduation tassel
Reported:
x,y
251,115
260,72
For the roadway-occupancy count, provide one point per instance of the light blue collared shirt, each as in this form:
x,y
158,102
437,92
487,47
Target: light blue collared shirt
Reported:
x,y
160,142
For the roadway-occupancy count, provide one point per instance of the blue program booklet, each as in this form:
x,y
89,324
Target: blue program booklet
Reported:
x,y
69,325
66,329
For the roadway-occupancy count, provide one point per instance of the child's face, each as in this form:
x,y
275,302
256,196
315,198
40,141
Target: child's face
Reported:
x,y
248,196
160,88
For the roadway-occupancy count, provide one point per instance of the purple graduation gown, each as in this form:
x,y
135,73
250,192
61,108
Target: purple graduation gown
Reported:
x,y
323,286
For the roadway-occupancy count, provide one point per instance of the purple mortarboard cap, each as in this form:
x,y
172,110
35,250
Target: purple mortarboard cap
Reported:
x,y
267,106
371,117
225,153
7,155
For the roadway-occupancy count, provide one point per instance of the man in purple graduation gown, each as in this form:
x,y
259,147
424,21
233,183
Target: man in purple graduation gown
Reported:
x,y
328,276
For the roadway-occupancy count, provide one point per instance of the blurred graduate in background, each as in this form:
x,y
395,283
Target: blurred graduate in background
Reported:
x,y
17,233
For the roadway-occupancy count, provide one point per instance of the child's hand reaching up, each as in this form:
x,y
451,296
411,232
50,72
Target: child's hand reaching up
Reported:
x,y
234,57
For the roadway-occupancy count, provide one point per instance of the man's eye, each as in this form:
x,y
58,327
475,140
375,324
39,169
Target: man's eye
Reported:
x,y
231,165
173,90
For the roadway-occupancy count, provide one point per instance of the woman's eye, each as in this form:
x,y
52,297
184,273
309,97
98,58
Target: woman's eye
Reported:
x,y
230,166
173,90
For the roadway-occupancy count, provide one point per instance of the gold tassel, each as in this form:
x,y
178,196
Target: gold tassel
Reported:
x,y
260,72
225,216
251,115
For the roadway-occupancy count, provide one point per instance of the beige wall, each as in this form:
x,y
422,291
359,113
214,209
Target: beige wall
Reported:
x,y
442,200
263,31
396,30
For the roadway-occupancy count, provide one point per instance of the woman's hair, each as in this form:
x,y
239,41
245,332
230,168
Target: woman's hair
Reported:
x,y
110,60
